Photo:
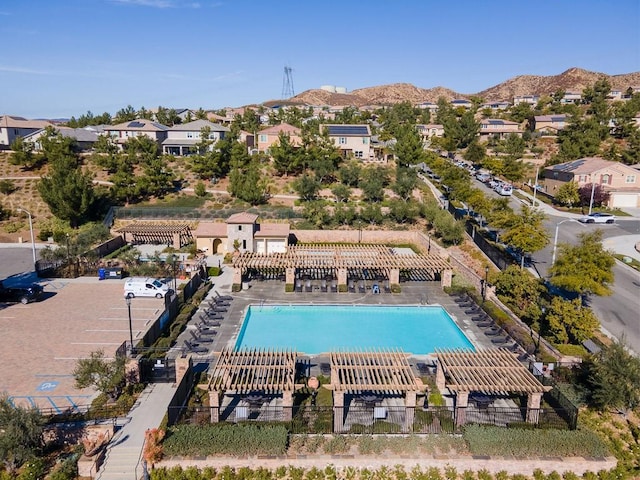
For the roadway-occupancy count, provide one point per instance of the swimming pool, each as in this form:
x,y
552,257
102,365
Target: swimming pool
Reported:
x,y
315,329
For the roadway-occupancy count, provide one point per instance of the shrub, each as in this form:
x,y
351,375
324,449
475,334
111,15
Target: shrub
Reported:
x,y
289,287
7,187
214,271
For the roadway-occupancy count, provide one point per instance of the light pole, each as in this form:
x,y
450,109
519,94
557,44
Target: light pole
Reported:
x,y
486,283
33,242
535,187
593,189
555,238
128,300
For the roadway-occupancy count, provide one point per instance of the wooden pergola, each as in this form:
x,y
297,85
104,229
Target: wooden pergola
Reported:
x,y
253,371
341,260
491,371
386,372
167,233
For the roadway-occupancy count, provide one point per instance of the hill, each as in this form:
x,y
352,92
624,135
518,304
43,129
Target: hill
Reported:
x,y
574,79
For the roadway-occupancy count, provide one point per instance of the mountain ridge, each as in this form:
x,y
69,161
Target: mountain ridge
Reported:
x,y
574,79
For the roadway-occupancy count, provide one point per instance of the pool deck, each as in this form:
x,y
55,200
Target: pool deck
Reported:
x,y
272,293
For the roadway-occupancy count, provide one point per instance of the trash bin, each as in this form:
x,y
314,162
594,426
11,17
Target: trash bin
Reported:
x,y
101,274
114,272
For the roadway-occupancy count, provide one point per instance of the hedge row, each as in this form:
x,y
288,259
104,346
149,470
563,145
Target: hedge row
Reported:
x,y
236,440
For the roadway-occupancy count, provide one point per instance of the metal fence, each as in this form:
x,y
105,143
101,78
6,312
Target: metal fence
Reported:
x,y
370,420
192,213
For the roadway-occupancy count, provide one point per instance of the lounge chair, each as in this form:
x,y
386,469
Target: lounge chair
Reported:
x,y
212,315
387,287
485,324
298,285
223,297
334,286
325,368
473,310
375,289
323,285
206,329
479,318
194,348
499,340
352,287
219,303
199,338
494,332
308,287
216,309
209,323
362,288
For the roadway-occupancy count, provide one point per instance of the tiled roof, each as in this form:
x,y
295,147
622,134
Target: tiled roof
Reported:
x,y
273,230
242,217
210,229
8,121
587,165
277,129
140,125
198,125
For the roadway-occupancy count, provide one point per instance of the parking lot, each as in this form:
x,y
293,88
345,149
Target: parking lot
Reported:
x,y
43,341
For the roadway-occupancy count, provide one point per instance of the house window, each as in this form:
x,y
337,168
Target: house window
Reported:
x,y
357,153
582,178
606,179
16,131
342,140
263,138
189,134
630,179
244,244
365,140
239,228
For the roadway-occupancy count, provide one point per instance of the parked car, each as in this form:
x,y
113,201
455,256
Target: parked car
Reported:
x,y
504,189
21,292
598,217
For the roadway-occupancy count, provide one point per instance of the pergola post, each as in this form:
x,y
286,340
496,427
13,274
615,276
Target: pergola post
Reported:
x,y
237,276
214,405
394,276
410,411
338,411
176,241
287,406
290,276
446,277
342,277
462,400
533,407
440,378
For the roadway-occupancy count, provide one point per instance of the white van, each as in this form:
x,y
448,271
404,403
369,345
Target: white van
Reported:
x,y
145,287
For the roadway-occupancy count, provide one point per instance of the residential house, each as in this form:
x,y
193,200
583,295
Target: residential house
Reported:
x,y
498,128
430,130
495,106
549,124
461,102
223,120
12,127
84,138
615,95
528,99
571,97
621,181
183,138
122,132
249,139
269,136
352,140
243,233
432,107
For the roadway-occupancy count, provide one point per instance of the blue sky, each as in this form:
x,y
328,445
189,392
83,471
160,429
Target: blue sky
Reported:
x,y
64,57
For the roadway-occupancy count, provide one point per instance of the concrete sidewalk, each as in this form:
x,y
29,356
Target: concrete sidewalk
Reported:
x,y
623,245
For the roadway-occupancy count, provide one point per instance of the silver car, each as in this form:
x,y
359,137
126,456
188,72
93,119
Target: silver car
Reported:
x,y
598,217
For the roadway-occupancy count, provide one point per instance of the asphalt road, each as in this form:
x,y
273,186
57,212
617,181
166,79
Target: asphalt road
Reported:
x,y
15,260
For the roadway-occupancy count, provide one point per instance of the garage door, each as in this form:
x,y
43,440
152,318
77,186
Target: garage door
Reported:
x,y
276,246
625,200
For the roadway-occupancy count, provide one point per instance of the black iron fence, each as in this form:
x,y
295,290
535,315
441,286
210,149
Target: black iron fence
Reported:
x,y
375,420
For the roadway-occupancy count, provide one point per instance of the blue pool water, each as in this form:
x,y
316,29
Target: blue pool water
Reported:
x,y
314,329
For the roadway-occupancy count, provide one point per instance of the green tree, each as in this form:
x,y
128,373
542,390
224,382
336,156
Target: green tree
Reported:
x,y
408,148
125,115
307,187
106,376
284,156
475,153
157,179
568,194
406,181
525,232
342,192
372,214
402,211
245,180
349,173
449,229
200,189
22,154
344,215
315,212
568,320
68,191
585,268
372,185
518,289
614,377
468,129
21,436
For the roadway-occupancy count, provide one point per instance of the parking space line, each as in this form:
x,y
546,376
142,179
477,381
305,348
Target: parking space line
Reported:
x,y
95,343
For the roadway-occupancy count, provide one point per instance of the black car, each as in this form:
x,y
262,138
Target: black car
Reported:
x,y
23,293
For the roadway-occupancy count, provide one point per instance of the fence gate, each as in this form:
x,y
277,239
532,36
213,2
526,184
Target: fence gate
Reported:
x,y
158,370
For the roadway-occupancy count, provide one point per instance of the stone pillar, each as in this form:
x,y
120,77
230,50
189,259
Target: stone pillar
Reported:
x,y
183,367
440,380
394,276
462,400
446,277
176,241
290,276
214,406
287,406
533,407
338,412
342,277
409,411
237,276
132,371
